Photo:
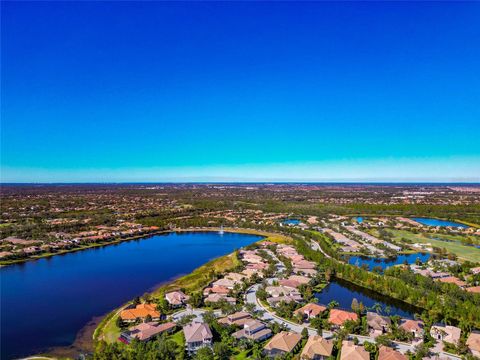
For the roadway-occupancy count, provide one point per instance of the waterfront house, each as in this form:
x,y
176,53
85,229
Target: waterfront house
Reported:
x,y
317,348
473,343
473,289
310,311
415,327
146,331
226,283
176,298
449,334
338,317
140,312
216,290
282,343
350,351
238,318
197,335
377,324
475,270
453,280
253,330
386,353
216,298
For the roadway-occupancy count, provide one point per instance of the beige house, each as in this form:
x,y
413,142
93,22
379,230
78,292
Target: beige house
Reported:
x,y
449,334
282,343
415,327
176,298
197,335
317,348
386,353
310,311
350,351
253,330
377,324
473,343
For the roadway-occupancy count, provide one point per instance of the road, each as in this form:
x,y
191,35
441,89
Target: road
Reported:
x,y
267,316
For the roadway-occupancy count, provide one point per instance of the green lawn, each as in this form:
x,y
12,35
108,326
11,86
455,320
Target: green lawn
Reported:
x,y
462,251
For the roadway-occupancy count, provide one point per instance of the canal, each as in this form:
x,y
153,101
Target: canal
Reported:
x,y
344,292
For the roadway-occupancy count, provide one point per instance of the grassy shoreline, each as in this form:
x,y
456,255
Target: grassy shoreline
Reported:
x,y
198,278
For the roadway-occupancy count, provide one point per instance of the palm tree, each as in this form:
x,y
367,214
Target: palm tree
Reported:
x,y
333,304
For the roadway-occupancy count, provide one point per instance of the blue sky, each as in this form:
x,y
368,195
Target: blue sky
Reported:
x,y
132,91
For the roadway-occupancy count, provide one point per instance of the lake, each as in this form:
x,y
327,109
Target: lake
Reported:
x,y
387,262
344,292
437,222
45,303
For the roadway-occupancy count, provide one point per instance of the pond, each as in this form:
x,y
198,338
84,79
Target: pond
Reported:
x,y
45,303
291,221
344,292
387,262
437,222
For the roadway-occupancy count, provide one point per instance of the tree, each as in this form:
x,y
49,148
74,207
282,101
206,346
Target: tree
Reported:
x,y
332,304
221,350
167,349
354,305
304,333
204,353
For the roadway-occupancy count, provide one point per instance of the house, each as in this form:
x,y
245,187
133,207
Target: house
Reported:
x,y
289,283
317,348
475,270
253,330
310,311
473,343
386,353
238,318
197,335
377,324
251,272
339,317
277,291
449,334
453,280
282,343
350,351
414,327
176,298
216,290
226,283
236,277
146,331
140,312
473,289
273,301
300,279
215,298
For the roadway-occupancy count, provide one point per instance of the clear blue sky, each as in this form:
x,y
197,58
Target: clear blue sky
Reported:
x,y
132,91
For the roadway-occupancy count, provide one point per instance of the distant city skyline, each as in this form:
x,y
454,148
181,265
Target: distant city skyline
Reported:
x,y
254,91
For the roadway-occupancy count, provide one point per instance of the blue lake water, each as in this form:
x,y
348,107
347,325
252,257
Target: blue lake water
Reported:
x,y
45,303
387,262
291,221
437,222
344,292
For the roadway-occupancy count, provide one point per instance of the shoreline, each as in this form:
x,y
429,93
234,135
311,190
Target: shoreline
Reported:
x,y
139,237
91,332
